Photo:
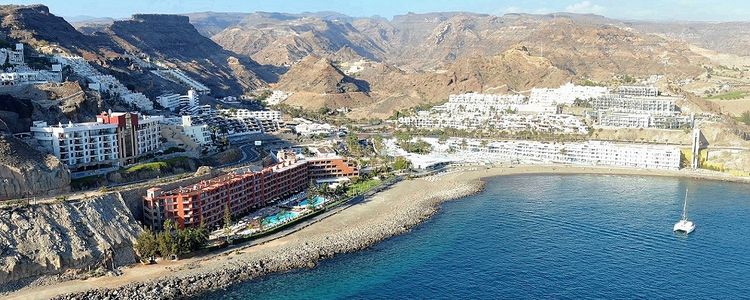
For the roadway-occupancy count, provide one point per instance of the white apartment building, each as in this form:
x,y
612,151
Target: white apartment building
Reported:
x,y
309,128
511,113
180,77
28,76
105,83
246,113
81,146
173,101
148,134
554,123
265,120
277,97
565,94
638,91
169,101
11,56
590,153
200,133
643,120
620,103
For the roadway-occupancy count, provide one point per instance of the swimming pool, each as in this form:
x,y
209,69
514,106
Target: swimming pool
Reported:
x,y
278,218
317,200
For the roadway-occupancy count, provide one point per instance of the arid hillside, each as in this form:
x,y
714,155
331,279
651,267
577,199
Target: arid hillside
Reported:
x,y
418,58
168,38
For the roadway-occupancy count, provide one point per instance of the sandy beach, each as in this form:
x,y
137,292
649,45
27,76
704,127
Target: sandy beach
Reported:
x,y
391,212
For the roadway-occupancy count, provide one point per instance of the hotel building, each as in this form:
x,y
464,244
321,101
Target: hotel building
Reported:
x,y
241,191
82,147
565,94
626,103
136,134
592,153
638,91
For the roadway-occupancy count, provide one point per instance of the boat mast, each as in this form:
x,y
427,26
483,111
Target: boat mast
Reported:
x,y
684,206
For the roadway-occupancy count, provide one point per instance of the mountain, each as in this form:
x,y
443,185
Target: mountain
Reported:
x,y
418,58
167,38
377,89
331,59
586,45
318,75
173,39
210,23
725,37
283,39
36,26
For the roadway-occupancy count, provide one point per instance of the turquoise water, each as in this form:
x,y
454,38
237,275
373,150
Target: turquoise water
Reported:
x,y
548,236
317,200
279,218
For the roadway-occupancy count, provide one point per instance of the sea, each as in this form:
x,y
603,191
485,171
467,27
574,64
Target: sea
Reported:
x,y
548,237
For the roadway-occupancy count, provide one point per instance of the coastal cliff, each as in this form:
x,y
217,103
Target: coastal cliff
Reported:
x,y
65,238
26,172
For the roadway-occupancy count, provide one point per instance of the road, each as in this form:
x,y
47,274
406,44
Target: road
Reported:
x,y
249,154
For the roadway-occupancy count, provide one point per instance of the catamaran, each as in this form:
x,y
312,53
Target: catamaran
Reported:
x,y
684,225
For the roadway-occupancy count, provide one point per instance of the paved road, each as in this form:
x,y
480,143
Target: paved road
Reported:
x,y
249,154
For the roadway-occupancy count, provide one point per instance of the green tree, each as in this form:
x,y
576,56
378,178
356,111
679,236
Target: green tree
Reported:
x,y
745,118
167,245
401,163
352,143
443,137
324,111
146,245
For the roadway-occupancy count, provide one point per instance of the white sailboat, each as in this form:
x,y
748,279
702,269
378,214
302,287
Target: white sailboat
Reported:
x,y
684,225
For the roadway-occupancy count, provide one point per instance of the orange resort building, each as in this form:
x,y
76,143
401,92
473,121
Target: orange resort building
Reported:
x,y
241,191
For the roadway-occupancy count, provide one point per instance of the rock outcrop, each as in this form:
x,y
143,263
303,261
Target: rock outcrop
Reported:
x,y
25,172
65,237
319,75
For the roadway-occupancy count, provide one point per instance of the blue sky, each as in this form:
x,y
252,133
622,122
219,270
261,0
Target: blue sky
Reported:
x,y
691,10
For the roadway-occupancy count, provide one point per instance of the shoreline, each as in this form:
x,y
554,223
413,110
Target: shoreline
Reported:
x,y
391,212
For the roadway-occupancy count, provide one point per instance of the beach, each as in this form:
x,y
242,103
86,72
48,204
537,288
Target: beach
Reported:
x,y
385,214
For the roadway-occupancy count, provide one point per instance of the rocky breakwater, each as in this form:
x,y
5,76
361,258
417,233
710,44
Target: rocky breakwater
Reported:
x,y
302,250
26,172
65,239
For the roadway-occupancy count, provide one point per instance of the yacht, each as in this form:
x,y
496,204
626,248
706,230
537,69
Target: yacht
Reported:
x,y
684,225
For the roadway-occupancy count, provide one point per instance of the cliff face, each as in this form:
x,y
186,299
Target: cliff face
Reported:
x,y
173,39
282,39
25,171
50,239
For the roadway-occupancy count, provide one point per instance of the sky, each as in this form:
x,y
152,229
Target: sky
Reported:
x,y
683,10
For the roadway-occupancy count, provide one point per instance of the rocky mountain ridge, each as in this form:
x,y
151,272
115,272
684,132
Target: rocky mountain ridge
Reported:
x,y
407,58
169,38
